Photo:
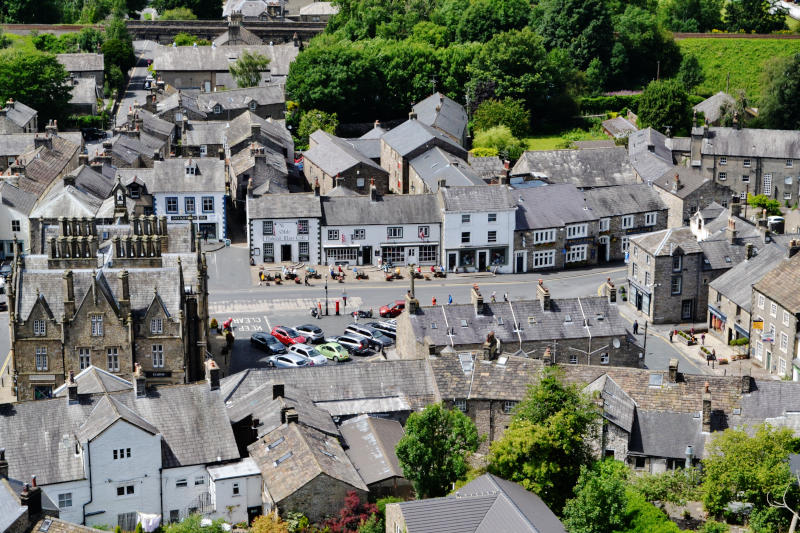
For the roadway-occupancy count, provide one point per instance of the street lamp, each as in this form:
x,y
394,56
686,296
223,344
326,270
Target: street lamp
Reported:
x,y
326,295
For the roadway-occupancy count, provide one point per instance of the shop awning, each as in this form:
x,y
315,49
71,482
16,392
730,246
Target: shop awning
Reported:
x,y
739,329
716,312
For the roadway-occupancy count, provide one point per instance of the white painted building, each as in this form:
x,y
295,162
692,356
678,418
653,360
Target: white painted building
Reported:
x,y
477,228
15,206
235,489
284,228
187,190
374,229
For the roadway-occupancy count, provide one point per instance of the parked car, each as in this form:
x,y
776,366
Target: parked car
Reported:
x,y
310,353
287,335
287,360
393,309
5,269
355,344
267,343
93,134
334,350
312,333
387,330
377,340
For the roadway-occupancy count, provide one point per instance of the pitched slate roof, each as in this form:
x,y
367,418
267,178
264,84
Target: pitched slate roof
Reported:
x,y
241,98
387,209
781,144
737,283
18,113
106,412
599,167
66,201
486,167
666,241
170,175
369,147
155,125
81,62
436,164
292,455
649,155
624,200
477,198
208,58
248,8
334,155
666,434
319,8
551,206
92,182
619,127
413,133
93,380
237,35
84,91
43,165
485,505
777,401
375,133
371,442
275,206
782,284
690,181
711,106
618,407
443,113
15,198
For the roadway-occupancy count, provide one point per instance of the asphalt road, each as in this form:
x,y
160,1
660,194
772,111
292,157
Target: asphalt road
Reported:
x,y
135,91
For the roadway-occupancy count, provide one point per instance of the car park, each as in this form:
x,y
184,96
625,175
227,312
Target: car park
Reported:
x,y
384,328
267,343
287,335
393,309
310,353
355,344
377,340
312,333
334,350
287,360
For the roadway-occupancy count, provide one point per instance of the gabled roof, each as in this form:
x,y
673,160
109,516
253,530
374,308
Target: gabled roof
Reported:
x,y
66,201
781,144
619,127
477,198
385,210
689,181
413,133
276,206
486,167
170,175
107,411
237,35
94,380
667,433
10,508
371,442
436,164
782,284
667,241
711,106
618,407
334,155
209,58
624,200
155,125
241,98
375,133
15,198
248,8
649,155
737,283
81,62
551,206
43,165
18,113
600,167
85,91
444,114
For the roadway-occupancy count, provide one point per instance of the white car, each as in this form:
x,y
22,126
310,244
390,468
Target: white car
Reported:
x,y
310,353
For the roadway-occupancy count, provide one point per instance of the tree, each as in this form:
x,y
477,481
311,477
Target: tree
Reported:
x,y
583,27
763,201
178,13
780,105
90,39
691,73
731,112
595,77
509,112
270,523
118,54
600,500
248,68
500,139
36,79
433,452
203,9
30,11
352,515
548,439
373,524
485,18
754,16
313,120
748,468
692,15
185,39
665,104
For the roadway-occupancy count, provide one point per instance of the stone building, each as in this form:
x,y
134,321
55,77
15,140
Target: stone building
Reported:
x,y
87,66
334,162
584,168
110,296
284,228
16,117
445,114
437,168
266,101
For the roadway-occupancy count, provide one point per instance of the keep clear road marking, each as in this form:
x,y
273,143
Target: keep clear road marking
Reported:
x,y
262,306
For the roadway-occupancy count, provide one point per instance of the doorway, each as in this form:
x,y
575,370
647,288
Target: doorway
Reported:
x,y
366,255
520,263
286,252
602,249
686,309
452,260
482,261
639,300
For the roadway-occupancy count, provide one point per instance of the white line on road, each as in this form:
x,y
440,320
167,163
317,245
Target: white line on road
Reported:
x,y
269,326
272,305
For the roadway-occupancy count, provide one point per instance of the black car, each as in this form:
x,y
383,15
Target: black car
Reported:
x,y
93,134
383,328
267,343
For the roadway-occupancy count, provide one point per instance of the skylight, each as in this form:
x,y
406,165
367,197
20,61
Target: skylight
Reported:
x,y
274,444
281,459
466,362
656,380
464,323
326,452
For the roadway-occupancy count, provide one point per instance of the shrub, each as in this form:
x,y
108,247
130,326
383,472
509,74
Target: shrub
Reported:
x,y
501,139
673,486
739,342
712,526
484,152
596,105
179,13
185,39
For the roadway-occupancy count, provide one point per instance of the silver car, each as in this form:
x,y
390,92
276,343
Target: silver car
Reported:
x,y
312,333
287,360
310,353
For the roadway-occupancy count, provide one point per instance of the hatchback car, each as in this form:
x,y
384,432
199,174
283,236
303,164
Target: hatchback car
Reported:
x,y
393,309
267,343
312,333
287,335
334,350
287,360
311,354
387,330
355,344
377,340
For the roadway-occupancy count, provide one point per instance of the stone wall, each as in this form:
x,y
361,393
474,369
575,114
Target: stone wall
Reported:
x,y
320,498
394,518
356,178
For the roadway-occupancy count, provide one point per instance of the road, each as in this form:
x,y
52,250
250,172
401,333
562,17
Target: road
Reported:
x,y
135,91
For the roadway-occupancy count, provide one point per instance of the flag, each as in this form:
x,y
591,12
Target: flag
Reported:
x,y
421,233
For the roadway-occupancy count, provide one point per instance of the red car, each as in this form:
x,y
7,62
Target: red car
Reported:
x,y
287,335
393,309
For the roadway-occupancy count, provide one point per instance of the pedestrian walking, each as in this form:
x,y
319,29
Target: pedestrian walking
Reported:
x,y
449,299
505,296
306,281
355,316
433,301
344,298
494,296
635,327
260,278
702,339
670,335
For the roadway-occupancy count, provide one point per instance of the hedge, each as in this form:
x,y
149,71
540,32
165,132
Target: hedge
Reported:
x,y
596,105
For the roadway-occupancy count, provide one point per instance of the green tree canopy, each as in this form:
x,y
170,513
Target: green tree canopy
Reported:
x,y
36,79
690,74
509,112
737,111
583,27
203,9
248,68
754,16
178,13
434,450
692,15
30,11
501,139
763,201
600,501
547,441
485,18
313,120
665,104
186,39
118,53
780,101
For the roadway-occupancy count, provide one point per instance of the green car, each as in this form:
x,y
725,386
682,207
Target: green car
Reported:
x,y
333,350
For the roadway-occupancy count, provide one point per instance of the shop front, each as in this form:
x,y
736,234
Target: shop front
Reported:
x,y
640,298
477,259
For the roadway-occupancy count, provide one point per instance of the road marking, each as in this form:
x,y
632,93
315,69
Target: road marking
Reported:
x,y
269,326
272,305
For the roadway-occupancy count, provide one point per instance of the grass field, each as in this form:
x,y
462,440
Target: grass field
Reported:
x,y
544,142
744,59
20,42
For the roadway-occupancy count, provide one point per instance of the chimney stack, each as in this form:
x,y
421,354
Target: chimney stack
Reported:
x,y
747,382
72,389
673,370
139,382
543,294
292,416
611,291
547,358
677,184
736,207
707,409
278,390
442,183
69,294
748,250
83,159
212,374
31,498
477,299
412,115
730,231
3,464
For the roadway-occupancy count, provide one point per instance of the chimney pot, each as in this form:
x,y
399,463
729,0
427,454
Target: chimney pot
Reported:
x,y
278,390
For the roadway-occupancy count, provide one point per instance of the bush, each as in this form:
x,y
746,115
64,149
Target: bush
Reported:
x,y
509,112
644,517
179,13
597,105
673,486
185,39
762,201
501,139
739,342
712,526
484,152
768,520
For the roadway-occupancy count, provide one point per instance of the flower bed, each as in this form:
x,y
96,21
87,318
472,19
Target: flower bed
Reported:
x,y
686,338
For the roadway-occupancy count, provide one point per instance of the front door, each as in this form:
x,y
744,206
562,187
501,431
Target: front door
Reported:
x,y
452,259
686,309
520,262
602,249
481,261
286,252
639,301
366,255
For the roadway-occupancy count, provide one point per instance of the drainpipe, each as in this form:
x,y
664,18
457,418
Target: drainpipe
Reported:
x,y
91,495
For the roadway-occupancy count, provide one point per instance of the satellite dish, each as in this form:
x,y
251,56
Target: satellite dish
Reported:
x,y
615,343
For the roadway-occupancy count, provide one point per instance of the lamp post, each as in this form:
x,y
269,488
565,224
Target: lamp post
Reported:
x,y
326,295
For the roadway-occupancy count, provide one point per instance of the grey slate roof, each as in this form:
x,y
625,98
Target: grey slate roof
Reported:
x,y
92,182
84,91
375,133
334,155
371,442
387,209
618,407
237,35
551,206
667,433
66,201
599,167
155,125
81,62
488,504
436,164
10,508
664,242
43,165
273,206
588,145
443,113
17,199
624,200
711,211
208,58
737,283
412,134
710,107
19,113
649,154
369,147
106,412
93,380
781,144
619,127
486,167
477,199
170,175
319,8
771,400
690,181
39,436
783,284
249,8
241,98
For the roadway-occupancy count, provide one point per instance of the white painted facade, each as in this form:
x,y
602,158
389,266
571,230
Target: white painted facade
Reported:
x,y
73,493
470,245
13,225
292,239
402,244
235,488
185,490
212,221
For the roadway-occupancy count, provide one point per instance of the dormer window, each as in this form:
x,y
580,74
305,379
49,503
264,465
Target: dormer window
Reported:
x,y
134,191
253,105
217,109
39,328
190,170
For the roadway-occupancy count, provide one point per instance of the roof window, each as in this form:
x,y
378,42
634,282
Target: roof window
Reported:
x,y
274,444
281,459
466,361
656,380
